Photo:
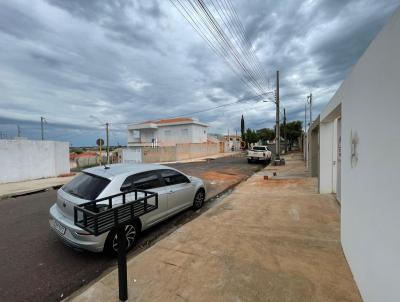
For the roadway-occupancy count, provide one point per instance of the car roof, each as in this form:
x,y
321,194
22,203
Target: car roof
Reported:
x,y
110,171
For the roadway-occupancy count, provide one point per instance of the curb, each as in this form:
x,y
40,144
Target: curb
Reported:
x,y
29,192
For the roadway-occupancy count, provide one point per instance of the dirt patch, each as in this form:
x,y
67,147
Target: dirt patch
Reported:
x,y
219,176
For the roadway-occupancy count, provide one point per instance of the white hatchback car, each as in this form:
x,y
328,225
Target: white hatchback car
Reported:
x,y
176,192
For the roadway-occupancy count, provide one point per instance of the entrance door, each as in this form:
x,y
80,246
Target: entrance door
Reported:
x,y
339,160
132,155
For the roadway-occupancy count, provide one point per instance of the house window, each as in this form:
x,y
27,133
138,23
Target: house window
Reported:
x,y
167,132
136,134
185,132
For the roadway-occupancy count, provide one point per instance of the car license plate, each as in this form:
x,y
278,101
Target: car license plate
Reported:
x,y
59,227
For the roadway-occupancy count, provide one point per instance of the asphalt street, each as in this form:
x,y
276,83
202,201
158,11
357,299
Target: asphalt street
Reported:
x,y
37,266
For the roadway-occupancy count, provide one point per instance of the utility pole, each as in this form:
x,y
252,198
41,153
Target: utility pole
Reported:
x,y
305,118
236,140
42,121
108,146
284,129
229,142
277,130
310,96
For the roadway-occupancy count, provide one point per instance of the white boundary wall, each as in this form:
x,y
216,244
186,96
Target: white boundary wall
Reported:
x,y
370,166
325,157
32,159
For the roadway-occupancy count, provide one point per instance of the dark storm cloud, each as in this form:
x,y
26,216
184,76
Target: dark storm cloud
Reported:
x,y
16,22
98,11
93,10
337,53
50,61
128,61
113,16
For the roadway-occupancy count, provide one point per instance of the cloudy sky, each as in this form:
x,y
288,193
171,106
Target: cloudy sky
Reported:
x,y
83,63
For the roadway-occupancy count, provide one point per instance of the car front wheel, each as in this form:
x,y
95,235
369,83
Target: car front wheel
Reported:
x,y
199,199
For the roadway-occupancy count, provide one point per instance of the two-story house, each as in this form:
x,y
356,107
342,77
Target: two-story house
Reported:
x,y
167,132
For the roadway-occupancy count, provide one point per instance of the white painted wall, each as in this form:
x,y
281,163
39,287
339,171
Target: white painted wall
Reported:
x,y
146,135
169,135
180,134
199,134
370,198
334,155
325,156
132,155
30,159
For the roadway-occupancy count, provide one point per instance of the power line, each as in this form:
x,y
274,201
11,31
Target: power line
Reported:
x,y
232,31
224,105
198,14
221,34
241,38
209,109
245,38
202,30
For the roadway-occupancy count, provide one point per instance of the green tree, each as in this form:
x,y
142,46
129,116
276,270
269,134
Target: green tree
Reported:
x,y
251,136
293,132
265,134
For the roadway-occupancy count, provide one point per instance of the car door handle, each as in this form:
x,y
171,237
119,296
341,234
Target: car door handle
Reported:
x,y
171,191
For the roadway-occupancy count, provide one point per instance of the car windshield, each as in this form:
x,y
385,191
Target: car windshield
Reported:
x,y
259,148
86,186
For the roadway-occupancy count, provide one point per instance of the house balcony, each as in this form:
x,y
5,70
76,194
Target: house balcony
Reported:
x,y
140,144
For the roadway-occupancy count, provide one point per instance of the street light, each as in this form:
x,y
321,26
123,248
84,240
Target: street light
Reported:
x,y
277,129
107,137
309,101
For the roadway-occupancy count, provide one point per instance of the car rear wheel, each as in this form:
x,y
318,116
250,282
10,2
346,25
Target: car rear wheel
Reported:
x,y
199,199
132,232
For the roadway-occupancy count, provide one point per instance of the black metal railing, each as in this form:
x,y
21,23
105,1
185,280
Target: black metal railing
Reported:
x,y
104,214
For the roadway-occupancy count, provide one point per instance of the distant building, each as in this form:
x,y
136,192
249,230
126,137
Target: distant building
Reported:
x,y
233,143
167,132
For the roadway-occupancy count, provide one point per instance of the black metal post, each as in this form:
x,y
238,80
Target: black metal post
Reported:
x,y
122,271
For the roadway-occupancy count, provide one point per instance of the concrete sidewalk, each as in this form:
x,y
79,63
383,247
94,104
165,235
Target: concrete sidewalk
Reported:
x,y
13,189
270,240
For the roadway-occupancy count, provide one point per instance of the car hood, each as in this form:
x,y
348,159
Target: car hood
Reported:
x,y
196,180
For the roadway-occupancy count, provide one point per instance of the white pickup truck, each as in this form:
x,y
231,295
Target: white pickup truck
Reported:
x,y
259,153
